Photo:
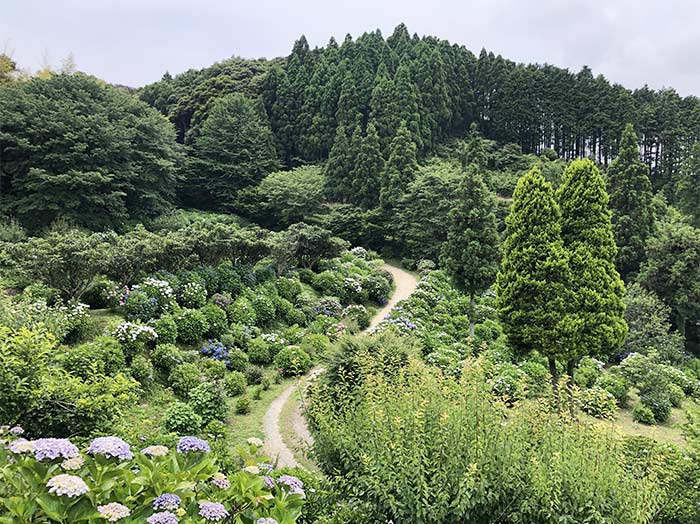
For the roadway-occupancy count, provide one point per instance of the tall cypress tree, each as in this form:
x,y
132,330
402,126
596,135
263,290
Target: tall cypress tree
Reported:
x,y
532,285
631,204
472,251
596,316
400,169
688,188
348,113
473,151
383,110
407,102
338,166
368,170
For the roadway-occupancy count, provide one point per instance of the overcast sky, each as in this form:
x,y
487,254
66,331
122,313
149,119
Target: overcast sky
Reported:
x,y
134,42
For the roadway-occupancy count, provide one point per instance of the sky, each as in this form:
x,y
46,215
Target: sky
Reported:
x,y
133,42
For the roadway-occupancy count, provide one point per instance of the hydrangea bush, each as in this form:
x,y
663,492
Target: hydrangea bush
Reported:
x,y
51,481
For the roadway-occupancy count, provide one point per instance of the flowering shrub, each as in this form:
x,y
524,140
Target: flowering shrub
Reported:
x,y
358,314
134,337
216,350
68,323
147,300
329,307
597,402
192,295
336,330
192,325
292,361
50,481
166,328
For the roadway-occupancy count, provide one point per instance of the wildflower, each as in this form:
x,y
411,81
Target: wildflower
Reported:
x,y
220,481
17,431
73,463
53,448
167,502
68,485
254,441
111,447
21,445
252,469
192,445
155,451
114,511
212,511
164,517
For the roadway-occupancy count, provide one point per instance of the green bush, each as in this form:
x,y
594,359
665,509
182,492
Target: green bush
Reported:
x,y
142,370
264,308
316,345
597,402
184,378
235,383
259,352
675,395
617,386
243,405
537,379
508,382
181,418
588,372
643,414
217,320
288,288
166,328
659,403
213,369
165,357
242,312
139,306
254,375
103,355
208,401
293,361
192,325
192,294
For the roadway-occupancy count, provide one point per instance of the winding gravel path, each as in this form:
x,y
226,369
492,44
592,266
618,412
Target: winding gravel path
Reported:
x,y
275,447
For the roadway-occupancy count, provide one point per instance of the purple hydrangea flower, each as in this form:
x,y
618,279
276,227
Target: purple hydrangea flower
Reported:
x,y
269,482
266,520
213,511
16,431
294,484
220,481
111,447
53,448
167,502
164,517
192,445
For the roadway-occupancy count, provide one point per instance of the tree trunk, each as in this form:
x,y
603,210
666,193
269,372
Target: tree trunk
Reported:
x,y
570,370
471,316
555,382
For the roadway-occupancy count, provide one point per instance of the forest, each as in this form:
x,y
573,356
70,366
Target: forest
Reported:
x,y
384,280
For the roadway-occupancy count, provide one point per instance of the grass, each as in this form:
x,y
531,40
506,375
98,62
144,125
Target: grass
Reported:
x,y
288,417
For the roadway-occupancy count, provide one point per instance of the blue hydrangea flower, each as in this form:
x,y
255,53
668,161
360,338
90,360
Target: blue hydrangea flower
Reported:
x,y
53,448
167,502
212,511
192,445
293,483
111,447
164,517
269,482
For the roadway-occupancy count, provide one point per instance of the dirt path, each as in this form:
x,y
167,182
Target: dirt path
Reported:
x,y
275,447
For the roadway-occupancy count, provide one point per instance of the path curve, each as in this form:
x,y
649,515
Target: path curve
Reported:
x,y
275,447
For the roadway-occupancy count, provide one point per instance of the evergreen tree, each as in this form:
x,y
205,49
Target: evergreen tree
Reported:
x,y
407,103
368,170
631,203
383,109
532,284
400,169
338,167
596,309
348,113
473,151
234,150
688,190
472,251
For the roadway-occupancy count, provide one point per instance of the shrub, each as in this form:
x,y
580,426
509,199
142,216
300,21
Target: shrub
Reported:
x,y
290,313
166,357
222,300
675,395
166,328
208,401
184,378
330,283
615,385
237,360
315,344
192,325
329,307
259,352
159,292
192,295
537,379
242,312
264,308
508,382
217,320
100,294
138,305
643,414
659,403
102,356
598,402
425,266
235,383
254,375
446,359
238,336
213,369
134,338
588,372
288,288
142,370
358,314
243,405
181,418
293,361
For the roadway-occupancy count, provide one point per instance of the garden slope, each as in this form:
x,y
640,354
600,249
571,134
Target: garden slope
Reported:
x,y
405,283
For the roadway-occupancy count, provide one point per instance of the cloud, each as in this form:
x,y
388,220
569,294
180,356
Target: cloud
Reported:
x,y
134,42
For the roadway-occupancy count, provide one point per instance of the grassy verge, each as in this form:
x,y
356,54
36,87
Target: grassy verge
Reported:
x,y
289,418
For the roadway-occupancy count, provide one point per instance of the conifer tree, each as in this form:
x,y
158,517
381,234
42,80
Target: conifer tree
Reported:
x,y
472,251
631,204
383,110
473,151
596,310
688,192
348,113
400,169
407,103
368,170
338,167
532,284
